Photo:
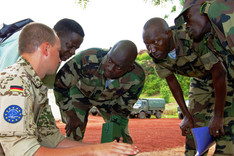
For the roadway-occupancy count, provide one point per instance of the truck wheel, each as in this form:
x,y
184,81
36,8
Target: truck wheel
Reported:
x,y
158,115
94,113
141,115
148,116
181,116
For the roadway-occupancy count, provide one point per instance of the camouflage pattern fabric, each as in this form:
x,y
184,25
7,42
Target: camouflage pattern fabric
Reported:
x,y
195,61
220,14
201,106
80,84
22,89
188,62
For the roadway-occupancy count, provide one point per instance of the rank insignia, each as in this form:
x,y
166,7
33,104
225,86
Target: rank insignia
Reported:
x,y
16,88
13,114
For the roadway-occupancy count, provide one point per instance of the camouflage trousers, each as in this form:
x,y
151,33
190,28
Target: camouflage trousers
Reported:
x,y
82,113
201,106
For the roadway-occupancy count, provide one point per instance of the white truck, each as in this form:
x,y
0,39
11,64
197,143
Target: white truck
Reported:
x,y
145,107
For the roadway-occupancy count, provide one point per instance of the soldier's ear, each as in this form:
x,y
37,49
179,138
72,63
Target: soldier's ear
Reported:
x,y
45,48
169,33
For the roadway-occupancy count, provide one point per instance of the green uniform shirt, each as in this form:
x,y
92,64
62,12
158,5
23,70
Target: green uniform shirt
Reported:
x,y
188,62
81,81
220,14
26,118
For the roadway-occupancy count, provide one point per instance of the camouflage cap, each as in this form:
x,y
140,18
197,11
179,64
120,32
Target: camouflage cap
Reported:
x,y
179,20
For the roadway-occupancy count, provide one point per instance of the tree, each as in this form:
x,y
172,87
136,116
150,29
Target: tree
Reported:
x,y
83,4
164,2
155,85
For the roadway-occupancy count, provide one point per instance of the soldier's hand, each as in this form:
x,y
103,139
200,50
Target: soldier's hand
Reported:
x,y
73,122
186,125
216,126
115,149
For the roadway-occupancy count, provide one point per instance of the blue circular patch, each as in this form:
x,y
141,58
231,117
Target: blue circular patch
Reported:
x,y
13,114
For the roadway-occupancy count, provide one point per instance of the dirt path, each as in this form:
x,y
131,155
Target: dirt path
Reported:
x,y
161,137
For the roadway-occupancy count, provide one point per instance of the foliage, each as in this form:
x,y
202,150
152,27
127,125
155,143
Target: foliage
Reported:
x,y
155,85
146,62
163,3
82,3
165,91
152,85
184,83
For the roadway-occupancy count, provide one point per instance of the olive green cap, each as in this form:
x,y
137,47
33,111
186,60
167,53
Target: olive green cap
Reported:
x,y
179,20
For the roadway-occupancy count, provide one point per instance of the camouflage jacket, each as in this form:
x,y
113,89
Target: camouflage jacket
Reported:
x,y
220,14
81,81
189,61
27,121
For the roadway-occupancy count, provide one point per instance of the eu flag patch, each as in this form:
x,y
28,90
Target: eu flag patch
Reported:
x,y
13,114
16,88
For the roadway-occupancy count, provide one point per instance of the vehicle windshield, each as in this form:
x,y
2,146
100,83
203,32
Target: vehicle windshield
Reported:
x,y
137,104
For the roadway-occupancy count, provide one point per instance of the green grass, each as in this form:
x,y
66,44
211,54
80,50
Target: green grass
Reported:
x,y
170,111
170,116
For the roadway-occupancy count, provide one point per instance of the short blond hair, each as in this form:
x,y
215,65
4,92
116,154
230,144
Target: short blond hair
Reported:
x,y
33,35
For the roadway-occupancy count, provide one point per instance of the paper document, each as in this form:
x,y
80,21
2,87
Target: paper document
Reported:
x,y
203,140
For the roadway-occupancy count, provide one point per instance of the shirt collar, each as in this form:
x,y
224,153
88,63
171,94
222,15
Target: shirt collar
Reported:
x,y
30,71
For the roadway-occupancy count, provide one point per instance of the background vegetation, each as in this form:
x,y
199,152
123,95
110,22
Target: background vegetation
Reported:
x,y
162,3
155,86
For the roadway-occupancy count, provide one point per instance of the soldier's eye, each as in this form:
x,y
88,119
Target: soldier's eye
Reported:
x,y
119,68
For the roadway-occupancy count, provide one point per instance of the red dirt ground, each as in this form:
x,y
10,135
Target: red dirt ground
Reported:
x,y
148,134
153,137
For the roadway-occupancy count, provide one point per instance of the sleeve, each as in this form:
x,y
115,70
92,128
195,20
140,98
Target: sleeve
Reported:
x,y
209,60
209,54
48,133
65,83
161,71
17,130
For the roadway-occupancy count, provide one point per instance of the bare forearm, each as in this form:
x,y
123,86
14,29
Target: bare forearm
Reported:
x,y
177,93
219,77
112,148
70,143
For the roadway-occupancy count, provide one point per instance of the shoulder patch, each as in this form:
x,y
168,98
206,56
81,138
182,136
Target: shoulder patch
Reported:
x,y
13,114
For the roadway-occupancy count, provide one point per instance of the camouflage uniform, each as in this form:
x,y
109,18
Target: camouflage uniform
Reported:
x,y
220,14
80,84
221,17
220,41
195,63
23,91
